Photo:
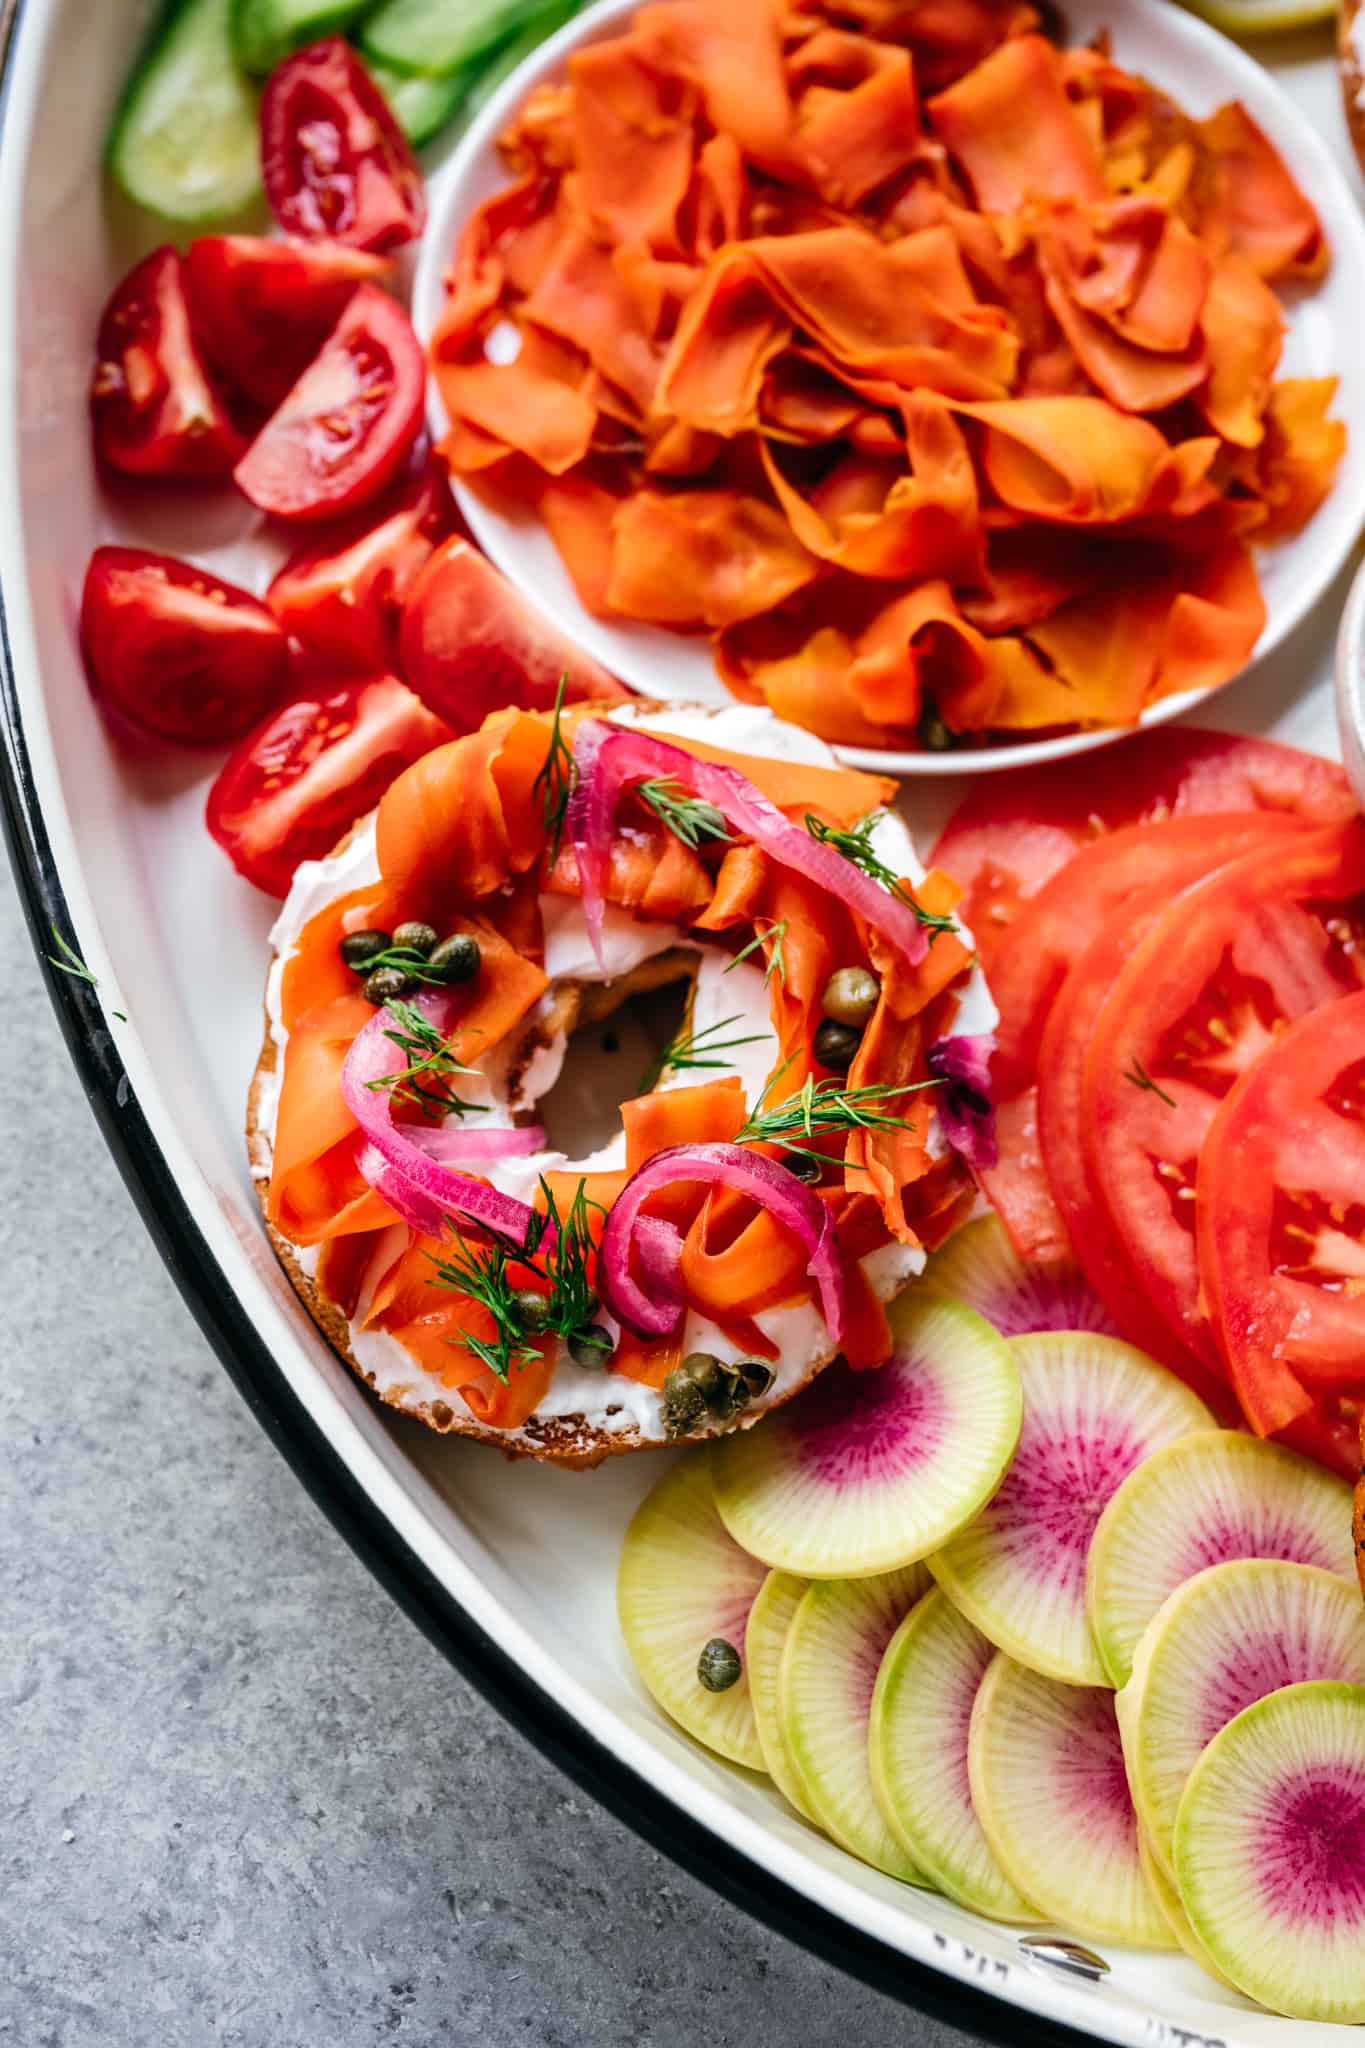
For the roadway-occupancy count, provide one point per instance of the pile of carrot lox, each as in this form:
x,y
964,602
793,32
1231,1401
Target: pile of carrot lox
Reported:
x,y
926,366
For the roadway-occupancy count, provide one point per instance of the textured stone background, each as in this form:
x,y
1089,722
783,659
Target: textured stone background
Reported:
x,y
242,1802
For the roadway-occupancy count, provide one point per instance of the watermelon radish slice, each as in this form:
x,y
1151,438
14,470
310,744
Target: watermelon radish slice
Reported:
x,y
1048,1784
1164,1890
682,1582
980,1266
835,1646
1270,1851
1202,1501
765,1638
1225,1638
1093,1410
921,1715
869,1471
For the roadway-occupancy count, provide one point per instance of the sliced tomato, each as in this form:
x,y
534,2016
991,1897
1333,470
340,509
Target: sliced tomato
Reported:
x,y
1228,963
343,599
293,787
1281,1219
1015,831
470,645
155,407
262,308
176,654
336,164
347,426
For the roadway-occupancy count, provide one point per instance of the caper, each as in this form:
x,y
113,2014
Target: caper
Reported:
x,y
718,1667
934,733
851,995
836,1045
416,937
456,958
357,949
532,1311
684,1403
804,1165
757,1377
708,1372
385,985
591,1345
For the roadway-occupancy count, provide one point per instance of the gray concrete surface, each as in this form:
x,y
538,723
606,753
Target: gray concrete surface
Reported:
x,y
242,1802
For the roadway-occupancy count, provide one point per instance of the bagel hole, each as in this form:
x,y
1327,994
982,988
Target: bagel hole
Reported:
x,y
612,1051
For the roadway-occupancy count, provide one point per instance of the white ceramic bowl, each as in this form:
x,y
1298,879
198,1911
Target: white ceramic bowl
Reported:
x,y
1197,66
510,1569
1350,683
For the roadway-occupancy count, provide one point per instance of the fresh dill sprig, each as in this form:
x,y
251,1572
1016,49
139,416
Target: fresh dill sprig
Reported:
x,y
429,1059
1140,1078
555,782
697,1049
71,963
409,961
688,818
856,846
819,1109
776,935
481,1272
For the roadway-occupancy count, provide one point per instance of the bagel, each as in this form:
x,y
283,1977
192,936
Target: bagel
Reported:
x,y
585,1415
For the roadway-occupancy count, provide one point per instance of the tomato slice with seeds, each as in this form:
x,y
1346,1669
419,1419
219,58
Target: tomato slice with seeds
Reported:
x,y
155,408
1259,943
262,308
1014,831
336,164
292,788
346,428
1281,1219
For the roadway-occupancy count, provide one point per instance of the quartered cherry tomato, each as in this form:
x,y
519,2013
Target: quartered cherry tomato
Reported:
x,y
336,163
345,429
175,653
471,645
292,788
155,407
343,599
263,308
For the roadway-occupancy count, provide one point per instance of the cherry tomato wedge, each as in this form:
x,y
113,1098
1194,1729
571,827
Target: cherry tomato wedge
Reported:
x,y
345,429
291,789
1281,1219
154,405
471,645
176,654
343,599
1016,830
336,164
262,308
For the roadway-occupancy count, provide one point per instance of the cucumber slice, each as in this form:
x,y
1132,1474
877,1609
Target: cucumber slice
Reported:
x,y
422,107
433,36
264,31
185,141
546,22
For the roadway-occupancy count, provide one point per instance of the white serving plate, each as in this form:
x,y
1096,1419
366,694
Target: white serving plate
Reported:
x,y
510,1568
1201,69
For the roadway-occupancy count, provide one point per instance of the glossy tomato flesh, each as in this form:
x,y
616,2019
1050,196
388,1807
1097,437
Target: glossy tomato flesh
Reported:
x,y
293,787
154,405
347,426
262,308
176,654
336,164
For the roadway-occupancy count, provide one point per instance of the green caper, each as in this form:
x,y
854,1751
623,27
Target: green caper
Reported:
x,y
385,985
415,936
591,1345
357,949
836,1044
456,958
757,1377
532,1311
718,1667
804,1165
934,733
851,995
709,1374
684,1403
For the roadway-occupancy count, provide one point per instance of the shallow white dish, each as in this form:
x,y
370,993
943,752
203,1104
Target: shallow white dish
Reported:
x,y
1197,66
509,1568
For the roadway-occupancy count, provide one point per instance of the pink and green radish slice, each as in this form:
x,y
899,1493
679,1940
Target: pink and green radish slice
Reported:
x,y
868,1471
1226,1638
980,1267
1049,1788
1270,1851
921,1717
681,1582
1206,1500
835,1646
1094,1408
1164,1890
765,1639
